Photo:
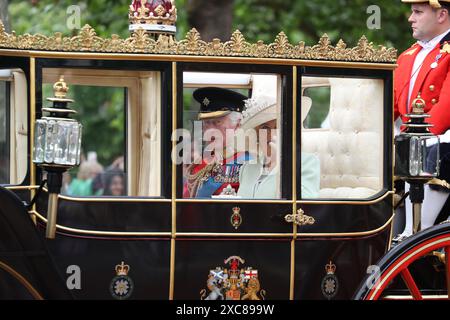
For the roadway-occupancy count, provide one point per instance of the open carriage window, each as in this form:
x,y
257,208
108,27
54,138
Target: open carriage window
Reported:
x,y
13,126
231,139
342,137
120,114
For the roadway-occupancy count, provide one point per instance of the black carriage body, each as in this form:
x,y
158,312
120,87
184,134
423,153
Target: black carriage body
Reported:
x,y
170,242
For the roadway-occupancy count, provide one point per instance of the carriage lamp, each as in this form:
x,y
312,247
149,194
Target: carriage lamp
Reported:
x,y
57,147
417,156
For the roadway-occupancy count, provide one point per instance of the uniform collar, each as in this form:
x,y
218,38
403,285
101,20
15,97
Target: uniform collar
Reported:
x,y
433,42
445,39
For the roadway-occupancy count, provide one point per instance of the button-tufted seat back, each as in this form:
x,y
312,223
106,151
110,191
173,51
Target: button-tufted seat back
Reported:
x,y
350,150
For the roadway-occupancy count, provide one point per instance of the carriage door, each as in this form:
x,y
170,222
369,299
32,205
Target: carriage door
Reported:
x,y
344,156
234,186
14,121
114,209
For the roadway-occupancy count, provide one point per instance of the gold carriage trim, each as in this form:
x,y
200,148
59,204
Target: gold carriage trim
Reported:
x,y
140,42
439,182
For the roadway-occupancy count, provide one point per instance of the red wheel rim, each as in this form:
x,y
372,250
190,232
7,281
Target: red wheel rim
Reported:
x,y
401,264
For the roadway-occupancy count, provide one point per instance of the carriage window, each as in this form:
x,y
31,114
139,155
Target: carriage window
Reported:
x,y
342,135
120,114
230,142
13,126
318,116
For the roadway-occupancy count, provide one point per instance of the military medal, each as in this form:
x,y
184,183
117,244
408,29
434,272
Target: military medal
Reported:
x,y
435,63
122,285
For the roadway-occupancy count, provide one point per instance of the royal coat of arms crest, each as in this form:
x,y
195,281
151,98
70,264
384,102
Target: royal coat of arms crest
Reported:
x,y
233,283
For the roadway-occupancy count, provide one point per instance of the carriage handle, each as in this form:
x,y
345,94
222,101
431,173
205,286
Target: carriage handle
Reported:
x,y
299,218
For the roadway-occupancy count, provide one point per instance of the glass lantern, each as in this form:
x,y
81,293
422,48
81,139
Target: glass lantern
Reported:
x,y
57,142
57,147
417,149
417,157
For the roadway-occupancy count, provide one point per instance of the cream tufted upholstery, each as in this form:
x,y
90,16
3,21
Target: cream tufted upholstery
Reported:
x,y
350,151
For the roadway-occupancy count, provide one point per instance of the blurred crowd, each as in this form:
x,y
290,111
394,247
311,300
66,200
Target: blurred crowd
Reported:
x,y
93,180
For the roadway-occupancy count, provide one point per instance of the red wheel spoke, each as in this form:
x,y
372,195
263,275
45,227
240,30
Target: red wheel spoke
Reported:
x,y
447,268
411,284
397,262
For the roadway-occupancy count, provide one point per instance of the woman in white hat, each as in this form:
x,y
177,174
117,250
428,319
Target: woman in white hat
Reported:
x,y
262,179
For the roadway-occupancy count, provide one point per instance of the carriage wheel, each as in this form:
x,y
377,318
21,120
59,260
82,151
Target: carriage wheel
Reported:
x,y
396,263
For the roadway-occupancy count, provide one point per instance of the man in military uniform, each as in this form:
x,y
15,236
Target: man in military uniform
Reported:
x,y
218,173
425,68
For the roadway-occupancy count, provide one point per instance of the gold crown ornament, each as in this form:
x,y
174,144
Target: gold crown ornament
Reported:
x,y
154,16
60,88
418,105
122,269
330,268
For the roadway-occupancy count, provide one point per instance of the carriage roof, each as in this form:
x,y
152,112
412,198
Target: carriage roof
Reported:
x,y
142,46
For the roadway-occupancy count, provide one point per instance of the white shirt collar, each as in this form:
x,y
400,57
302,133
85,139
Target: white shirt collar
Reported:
x,y
433,42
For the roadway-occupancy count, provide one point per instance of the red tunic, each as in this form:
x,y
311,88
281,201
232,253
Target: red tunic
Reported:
x,y
432,83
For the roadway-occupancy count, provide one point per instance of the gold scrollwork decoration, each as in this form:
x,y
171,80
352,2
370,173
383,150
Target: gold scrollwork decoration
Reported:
x,y
192,44
237,46
300,218
281,48
139,41
3,33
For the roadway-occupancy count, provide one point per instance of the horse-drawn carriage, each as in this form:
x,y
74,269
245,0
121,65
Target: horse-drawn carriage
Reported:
x,y
153,241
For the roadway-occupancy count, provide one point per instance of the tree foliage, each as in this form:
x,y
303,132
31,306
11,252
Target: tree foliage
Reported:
x,y
4,13
309,20
257,19
205,16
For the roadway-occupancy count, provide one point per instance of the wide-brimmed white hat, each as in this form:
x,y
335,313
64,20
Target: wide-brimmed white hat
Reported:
x,y
306,106
262,109
259,110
